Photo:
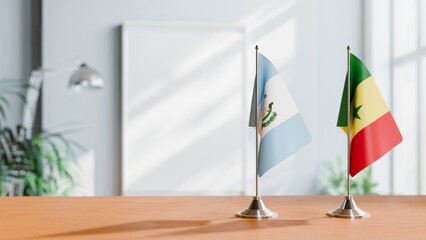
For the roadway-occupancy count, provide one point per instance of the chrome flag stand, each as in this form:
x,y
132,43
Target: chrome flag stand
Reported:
x,y
348,209
257,208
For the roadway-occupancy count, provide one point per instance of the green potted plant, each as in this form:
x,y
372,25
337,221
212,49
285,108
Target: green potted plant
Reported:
x,y
333,180
41,164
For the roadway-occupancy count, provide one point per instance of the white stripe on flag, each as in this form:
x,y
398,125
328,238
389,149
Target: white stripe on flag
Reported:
x,y
283,104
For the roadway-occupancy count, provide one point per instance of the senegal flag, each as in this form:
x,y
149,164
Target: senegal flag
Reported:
x,y
373,129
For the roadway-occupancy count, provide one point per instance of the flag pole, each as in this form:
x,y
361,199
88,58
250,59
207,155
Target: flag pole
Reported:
x,y
348,120
257,126
257,208
348,208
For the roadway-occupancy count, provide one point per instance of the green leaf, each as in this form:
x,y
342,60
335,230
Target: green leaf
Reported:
x,y
2,113
48,162
5,101
30,180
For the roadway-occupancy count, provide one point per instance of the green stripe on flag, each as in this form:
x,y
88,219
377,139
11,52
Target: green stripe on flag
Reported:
x,y
358,74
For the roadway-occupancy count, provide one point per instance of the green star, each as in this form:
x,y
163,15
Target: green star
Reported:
x,y
356,114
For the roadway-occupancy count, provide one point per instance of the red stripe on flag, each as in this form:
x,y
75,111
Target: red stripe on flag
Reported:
x,y
373,141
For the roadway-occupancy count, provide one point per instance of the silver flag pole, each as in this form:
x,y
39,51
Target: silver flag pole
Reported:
x,y
348,209
257,208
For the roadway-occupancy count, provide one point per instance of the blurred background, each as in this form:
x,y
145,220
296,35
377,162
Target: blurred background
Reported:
x,y
172,117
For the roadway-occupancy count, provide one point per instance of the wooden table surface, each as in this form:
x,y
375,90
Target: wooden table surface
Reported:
x,y
301,217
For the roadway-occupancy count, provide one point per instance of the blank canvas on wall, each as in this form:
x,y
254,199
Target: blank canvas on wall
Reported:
x,y
182,109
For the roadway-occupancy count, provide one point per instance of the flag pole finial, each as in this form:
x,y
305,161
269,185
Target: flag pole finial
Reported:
x,y
348,48
257,47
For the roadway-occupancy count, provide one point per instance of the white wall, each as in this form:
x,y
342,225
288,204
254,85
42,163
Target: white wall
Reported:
x,y
391,28
15,47
305,39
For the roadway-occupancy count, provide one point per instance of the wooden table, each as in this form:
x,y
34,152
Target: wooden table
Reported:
x,y
301,217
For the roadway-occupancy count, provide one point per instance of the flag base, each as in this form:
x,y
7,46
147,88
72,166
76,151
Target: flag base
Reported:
x,y
257,209
348,209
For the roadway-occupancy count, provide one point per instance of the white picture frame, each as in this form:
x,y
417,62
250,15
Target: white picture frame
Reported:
x,y
184,116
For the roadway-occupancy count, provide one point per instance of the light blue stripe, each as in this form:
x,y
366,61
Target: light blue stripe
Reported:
x,y
281,142
265,71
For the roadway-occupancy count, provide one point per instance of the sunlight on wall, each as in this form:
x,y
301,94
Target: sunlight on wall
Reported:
x,y
213,47
189,93
265,13
174,75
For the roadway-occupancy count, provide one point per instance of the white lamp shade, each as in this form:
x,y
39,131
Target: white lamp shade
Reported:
x,y
86,77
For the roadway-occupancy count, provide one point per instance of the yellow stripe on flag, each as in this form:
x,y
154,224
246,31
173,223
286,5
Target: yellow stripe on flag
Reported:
x,y
371,105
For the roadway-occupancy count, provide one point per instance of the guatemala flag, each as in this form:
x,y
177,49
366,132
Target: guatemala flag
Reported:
x,y
281,127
